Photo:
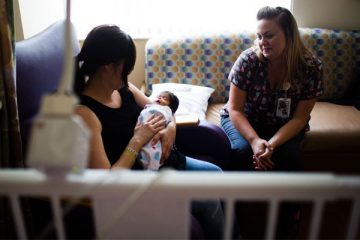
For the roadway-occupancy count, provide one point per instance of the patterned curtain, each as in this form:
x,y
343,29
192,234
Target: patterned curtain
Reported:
x,y
10,142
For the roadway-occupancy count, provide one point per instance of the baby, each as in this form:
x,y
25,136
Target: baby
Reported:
x,y
165,104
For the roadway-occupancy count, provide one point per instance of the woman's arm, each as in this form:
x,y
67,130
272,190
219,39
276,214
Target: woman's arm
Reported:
x,y
97,155
237,99
167,135
140,98
295,125
290,129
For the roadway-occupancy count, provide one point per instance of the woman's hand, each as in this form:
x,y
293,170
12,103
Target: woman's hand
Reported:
x,y
262,154
263,162
143,132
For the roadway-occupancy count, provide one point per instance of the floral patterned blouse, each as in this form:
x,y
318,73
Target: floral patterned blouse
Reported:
x,y
249,73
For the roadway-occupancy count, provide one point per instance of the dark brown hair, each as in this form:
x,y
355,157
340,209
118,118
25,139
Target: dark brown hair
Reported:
x,y
105,44
173,101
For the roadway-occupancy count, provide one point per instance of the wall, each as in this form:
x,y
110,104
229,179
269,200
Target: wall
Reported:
x,y
19,33
137,77
341,14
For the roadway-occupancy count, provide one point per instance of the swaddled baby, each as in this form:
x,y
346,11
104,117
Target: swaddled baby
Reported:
x,y
165,104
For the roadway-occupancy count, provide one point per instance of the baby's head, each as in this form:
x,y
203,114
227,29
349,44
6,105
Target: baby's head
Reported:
x,y
169,99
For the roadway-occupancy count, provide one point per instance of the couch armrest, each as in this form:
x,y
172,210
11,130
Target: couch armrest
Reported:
x,y
187,120
206,141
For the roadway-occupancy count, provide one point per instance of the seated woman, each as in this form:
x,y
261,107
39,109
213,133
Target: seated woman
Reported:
x,y
273,88
110,106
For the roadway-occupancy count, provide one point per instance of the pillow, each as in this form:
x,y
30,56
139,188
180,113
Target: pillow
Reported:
x,y
193,100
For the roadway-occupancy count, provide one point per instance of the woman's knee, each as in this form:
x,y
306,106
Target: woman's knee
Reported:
x,y
237,141
193,164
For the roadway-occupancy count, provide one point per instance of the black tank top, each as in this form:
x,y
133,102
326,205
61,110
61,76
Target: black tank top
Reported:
x,y
117,123
118,128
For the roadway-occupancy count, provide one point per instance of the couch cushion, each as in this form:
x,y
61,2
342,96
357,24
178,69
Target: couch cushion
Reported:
x,y
333,128
213,113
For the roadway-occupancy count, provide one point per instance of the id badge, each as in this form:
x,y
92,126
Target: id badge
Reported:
x,y
283,107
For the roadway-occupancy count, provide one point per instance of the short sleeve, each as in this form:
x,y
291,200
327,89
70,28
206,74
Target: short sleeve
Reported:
x,y
314,82
242,70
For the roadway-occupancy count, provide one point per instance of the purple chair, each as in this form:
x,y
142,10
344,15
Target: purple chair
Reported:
x,y
39,66
207,142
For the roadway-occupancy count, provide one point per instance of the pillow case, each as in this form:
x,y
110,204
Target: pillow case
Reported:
x,y
193,100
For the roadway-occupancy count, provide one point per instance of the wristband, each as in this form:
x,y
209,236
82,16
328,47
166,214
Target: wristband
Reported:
x,y
130,151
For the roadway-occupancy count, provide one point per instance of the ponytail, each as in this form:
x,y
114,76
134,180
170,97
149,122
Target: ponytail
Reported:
x,y
79,81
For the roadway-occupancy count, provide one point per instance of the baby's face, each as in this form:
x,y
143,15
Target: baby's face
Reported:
x,y
163,99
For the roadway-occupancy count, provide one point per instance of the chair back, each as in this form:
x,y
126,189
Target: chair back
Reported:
x,y
39,67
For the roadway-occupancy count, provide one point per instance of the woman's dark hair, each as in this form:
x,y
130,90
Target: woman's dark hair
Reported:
x,y
173,100
105,44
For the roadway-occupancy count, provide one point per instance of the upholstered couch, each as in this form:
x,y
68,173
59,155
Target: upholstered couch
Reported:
x,y
333,142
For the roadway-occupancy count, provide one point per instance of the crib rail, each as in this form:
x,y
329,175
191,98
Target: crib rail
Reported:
x,y
139,204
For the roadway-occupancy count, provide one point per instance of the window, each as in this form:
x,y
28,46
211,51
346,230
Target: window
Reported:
x,y
146,18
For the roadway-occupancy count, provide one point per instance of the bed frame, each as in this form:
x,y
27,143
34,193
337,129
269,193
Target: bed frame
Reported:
x,y
155,205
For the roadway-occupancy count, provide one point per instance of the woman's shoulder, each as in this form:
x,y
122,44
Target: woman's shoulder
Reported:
x,y
88,116
248,55
313,60
248,59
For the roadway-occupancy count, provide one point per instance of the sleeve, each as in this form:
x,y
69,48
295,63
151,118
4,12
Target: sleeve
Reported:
x,y
241,72
314,82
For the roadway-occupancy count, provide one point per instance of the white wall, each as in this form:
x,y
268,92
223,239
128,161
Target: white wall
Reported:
x,y
342,14
33,21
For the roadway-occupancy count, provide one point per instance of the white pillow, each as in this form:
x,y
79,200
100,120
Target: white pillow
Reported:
x,y
192,99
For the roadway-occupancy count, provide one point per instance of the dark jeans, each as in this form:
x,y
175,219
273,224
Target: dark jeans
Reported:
x,y
286,157
209,213
210,216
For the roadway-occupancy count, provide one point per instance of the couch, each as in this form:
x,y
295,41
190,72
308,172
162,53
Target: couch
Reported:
x,y
205,60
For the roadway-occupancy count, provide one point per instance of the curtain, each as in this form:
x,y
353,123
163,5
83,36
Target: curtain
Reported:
x,y
10,141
